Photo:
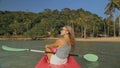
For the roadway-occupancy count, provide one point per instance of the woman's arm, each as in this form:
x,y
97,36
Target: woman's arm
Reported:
x,y
57,43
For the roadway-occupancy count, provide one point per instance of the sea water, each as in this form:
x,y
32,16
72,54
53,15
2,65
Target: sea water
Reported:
x,y
108,53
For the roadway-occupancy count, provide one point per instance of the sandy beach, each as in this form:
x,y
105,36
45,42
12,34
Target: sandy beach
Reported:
x,y
102,39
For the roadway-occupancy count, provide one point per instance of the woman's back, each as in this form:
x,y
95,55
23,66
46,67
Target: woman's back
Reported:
x,y
63,52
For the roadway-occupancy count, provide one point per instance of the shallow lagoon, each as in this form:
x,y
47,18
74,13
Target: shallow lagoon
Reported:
x,y
108,52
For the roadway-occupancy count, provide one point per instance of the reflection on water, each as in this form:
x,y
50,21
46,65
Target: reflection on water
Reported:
x,y
92,65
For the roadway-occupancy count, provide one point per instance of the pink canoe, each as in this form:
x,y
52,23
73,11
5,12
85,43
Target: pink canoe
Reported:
x,y
70,64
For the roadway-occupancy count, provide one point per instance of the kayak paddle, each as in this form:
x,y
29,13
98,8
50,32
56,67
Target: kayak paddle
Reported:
x,y
88,57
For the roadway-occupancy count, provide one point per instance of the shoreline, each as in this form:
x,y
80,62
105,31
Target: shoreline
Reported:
x,y
102,39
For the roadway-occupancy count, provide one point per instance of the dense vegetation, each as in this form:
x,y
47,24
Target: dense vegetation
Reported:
x,y
29,24
38,24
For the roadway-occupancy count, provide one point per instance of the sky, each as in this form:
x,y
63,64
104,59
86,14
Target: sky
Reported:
x,y
94,6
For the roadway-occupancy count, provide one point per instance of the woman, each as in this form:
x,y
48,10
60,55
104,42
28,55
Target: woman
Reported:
x,y
63,46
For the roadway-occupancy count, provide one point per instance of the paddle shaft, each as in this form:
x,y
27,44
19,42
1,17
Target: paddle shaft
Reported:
x,y
49,52
32,50
89,57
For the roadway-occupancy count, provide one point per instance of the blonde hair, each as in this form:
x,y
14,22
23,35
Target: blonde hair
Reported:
x,y
72,37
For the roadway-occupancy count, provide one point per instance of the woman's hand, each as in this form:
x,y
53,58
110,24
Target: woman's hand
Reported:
x,y
46,46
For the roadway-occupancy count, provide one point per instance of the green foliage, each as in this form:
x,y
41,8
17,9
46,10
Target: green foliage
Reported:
x,y
110,11
49,22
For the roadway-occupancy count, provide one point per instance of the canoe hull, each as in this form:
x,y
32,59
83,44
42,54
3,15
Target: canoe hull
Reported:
x,y
70,64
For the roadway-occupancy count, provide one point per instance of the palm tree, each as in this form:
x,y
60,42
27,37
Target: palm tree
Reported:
x,y
109,10
119,22
117,5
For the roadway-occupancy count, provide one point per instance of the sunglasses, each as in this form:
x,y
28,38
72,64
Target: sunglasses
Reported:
x,y
63,29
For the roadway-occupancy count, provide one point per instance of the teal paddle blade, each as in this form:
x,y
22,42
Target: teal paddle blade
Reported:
x,y
12,49
91,57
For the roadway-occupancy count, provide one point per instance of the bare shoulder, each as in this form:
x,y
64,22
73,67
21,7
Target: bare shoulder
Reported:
x,y
59,42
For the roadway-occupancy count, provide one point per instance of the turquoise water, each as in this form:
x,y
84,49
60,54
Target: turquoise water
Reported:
x,y
108,52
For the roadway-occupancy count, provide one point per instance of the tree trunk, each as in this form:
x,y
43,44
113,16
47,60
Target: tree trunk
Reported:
x,y
114,26
114,30
108,28
108,31
119,22
85,28
105,31
82,32
15,32
93,33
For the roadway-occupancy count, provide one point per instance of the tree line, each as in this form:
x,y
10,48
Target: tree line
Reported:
x,y
111,8
49,22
